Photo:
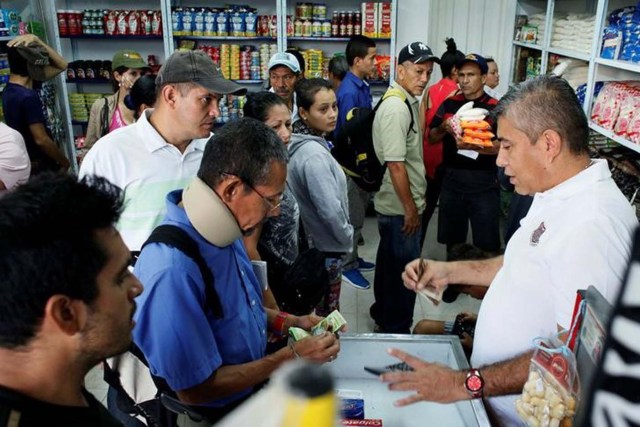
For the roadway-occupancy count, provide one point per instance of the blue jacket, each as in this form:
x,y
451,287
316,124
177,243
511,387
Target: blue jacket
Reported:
x,y
353,92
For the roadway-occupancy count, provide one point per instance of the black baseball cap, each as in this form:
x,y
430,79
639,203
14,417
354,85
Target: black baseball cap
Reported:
x,y
476,59
417,52
196,67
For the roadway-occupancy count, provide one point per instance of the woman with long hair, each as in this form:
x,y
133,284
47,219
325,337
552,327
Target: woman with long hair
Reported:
x,y
111,113
318,182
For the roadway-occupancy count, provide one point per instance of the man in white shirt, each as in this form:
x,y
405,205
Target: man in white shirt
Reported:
x,y
284,72
161,152
493,79
15,165
577,233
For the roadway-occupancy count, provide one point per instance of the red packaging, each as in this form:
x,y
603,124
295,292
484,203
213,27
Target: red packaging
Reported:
x,y
385,20
263,25
74,23
289,26
369,20
156,23
133,23
273,26
63,28
121,23
145,22
110,26
367,422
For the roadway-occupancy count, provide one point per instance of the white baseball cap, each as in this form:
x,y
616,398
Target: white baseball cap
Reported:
x,y
286,59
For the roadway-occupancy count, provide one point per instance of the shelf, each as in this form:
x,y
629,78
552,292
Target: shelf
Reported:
x,y
249,82
569,53
227,38
528,45
617,138
111,37
329,39
90,81
621,65
378,82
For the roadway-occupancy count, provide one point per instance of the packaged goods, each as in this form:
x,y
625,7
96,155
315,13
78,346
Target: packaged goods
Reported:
x,y
351,404
384,13
369,19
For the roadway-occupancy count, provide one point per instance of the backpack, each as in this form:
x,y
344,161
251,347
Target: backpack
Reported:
x,y
161,410
353,148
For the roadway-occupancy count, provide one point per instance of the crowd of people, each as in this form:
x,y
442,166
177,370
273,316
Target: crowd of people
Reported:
x,y
194,207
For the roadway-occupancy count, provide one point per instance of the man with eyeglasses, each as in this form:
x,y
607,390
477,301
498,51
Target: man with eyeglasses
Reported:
x,y
284,72
163,149
215,363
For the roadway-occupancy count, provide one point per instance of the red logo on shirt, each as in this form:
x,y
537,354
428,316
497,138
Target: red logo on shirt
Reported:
x,y
535,236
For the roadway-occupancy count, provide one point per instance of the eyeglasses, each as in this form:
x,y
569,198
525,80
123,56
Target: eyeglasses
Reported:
x,y
271,204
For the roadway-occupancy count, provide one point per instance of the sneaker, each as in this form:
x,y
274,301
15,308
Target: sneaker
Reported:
x,y
355,279
365,266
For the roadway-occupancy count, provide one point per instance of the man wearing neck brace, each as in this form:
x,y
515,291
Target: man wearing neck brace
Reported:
x,y
215,363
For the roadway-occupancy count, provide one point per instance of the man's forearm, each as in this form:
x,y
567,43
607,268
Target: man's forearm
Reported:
x,y
400,181
474,272
437,134
231,379
507,377
53,152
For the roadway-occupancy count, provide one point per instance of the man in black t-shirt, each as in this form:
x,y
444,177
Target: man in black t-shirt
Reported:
x,y
470,192
66,298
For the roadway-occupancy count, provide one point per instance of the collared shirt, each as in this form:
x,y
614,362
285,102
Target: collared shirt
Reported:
x,y
182,341
138,160
393,141
575,235
353,92
294,113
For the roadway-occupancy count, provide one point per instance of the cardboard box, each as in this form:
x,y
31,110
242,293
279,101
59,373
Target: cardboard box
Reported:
x,y
369,19
384,26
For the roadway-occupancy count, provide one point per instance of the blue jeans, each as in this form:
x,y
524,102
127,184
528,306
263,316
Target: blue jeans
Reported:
x,y
481,209
393,307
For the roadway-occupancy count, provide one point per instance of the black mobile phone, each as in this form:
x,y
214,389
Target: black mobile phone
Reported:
x,y
402,366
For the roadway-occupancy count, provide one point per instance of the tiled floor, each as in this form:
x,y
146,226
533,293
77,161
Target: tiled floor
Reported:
x,y
354,304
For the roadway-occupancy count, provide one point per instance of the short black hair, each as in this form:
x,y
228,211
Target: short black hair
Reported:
x,y
48,247
143,91
451,58
306,91
245,148
17,63
338,66
358,47
258,104
301,61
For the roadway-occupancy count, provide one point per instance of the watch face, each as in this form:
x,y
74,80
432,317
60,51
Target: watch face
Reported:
x,y
474,383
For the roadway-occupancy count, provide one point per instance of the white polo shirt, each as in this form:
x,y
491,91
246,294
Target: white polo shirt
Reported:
x,y
138,160
15,166
575,235
294,114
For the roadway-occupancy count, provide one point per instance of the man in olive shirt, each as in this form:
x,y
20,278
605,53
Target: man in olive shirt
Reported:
x,y
397,139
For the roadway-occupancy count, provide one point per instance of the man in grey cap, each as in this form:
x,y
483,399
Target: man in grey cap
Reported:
x,y
284,72
32,62
397,139
162,150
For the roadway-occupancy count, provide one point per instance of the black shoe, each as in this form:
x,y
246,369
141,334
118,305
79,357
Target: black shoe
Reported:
x,y
450,294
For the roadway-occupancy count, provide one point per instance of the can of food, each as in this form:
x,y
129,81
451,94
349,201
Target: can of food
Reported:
x,y
319,11
326,28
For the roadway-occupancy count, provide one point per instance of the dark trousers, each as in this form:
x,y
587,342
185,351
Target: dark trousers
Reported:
x,y
480,209
393,307
434,186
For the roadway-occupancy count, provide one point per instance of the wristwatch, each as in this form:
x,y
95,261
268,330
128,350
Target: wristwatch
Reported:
x,y
474,383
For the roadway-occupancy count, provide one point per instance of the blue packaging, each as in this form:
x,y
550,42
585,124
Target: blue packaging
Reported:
x,y
352,408
611,43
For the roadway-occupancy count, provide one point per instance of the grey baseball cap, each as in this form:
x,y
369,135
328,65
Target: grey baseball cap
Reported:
x,y
196,67
37,59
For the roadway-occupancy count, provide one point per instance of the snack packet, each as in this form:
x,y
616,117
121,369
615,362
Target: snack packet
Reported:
x,y
550,395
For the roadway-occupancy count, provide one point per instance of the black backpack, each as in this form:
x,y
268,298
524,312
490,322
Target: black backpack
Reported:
x,y
353,148
161,411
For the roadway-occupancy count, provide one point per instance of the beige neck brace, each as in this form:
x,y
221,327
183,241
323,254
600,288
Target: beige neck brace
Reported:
x,y
209,215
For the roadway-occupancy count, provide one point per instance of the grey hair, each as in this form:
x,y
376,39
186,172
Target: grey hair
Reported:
x,y
546,103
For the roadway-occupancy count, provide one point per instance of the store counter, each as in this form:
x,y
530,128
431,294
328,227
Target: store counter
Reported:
x,y
357,351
